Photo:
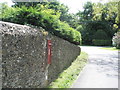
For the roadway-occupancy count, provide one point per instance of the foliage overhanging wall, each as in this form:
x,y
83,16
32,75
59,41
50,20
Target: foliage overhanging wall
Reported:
x,y
24,56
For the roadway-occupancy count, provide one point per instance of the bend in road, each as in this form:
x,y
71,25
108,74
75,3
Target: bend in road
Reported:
x,y
101,70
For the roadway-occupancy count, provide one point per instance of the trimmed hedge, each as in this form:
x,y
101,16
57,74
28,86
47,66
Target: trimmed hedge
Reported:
x,y
101,35
101,38
101,42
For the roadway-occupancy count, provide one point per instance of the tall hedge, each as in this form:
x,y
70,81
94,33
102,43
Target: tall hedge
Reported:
x,y
100,34
95,30
101,38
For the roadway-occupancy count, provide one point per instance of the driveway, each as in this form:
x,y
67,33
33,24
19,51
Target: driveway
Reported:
x,y
101,70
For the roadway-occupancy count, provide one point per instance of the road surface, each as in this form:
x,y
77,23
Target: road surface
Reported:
x,y
101,70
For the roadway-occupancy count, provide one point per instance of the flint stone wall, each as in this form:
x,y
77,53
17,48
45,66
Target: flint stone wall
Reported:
x,y
24,56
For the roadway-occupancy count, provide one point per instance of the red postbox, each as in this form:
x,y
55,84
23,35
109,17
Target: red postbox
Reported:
x,y
49,51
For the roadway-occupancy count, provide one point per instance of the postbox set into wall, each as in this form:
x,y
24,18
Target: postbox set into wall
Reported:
x,y
49,51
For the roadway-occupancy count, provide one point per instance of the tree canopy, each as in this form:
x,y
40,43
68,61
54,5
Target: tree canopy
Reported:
x,y
98,16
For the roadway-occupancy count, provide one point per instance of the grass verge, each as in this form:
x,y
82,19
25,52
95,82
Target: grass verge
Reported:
x,y
110,48
68,76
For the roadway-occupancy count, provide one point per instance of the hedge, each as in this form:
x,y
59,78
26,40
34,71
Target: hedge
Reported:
x,y
102,42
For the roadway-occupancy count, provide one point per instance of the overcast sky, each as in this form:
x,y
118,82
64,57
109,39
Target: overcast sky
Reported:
x,y
74,5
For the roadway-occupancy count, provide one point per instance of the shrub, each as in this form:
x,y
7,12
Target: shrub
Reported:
x,y
101,42
7,13
116,40
68,33
48,19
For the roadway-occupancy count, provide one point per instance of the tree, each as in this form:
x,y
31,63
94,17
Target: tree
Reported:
x,y
56,6
118,17
65,15
87,14
96,17
106,12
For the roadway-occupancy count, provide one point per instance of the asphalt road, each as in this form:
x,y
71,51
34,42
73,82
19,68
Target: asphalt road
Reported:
x,y
101,70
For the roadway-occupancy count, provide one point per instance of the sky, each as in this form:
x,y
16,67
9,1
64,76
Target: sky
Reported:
x,y
74,5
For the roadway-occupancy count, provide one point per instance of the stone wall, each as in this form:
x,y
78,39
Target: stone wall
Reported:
x,y
24,56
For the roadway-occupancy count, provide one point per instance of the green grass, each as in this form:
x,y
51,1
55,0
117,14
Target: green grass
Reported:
x,y
109,48
68,76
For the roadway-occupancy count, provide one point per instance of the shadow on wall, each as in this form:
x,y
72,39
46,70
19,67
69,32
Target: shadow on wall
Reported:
x,y
24,56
